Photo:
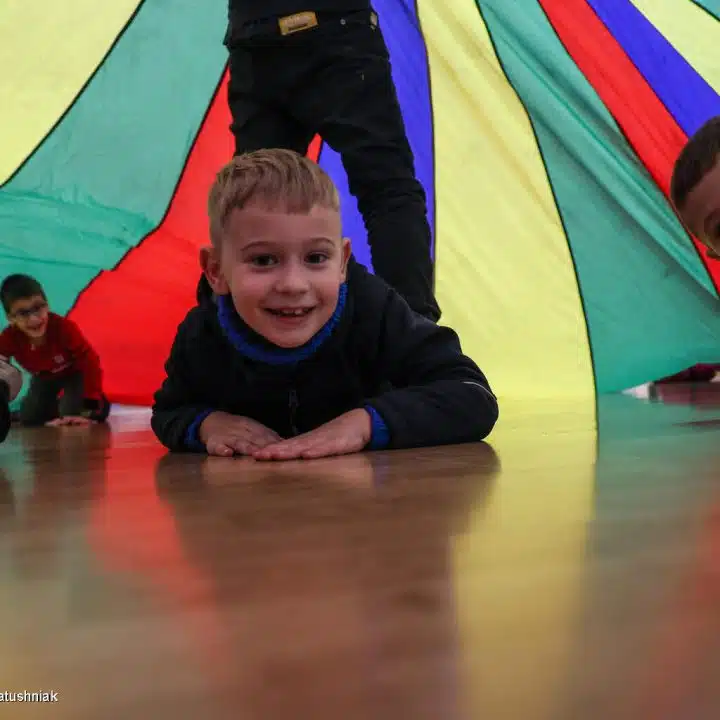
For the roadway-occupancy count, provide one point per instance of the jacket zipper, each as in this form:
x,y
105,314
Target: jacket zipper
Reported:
x,y
293,405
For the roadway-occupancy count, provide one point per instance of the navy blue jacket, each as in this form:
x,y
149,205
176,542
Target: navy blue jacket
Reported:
x,y
374,353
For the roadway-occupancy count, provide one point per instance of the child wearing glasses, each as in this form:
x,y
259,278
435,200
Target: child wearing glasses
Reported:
x,y
66,383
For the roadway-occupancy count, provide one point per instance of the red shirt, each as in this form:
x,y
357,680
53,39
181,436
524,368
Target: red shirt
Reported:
x,y
65,351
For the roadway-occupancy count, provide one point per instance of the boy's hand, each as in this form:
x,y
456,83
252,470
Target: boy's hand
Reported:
x,y
96,409
225,435
70,420
346,434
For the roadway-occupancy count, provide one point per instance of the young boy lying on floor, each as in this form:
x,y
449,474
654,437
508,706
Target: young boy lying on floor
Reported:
x,y
304,353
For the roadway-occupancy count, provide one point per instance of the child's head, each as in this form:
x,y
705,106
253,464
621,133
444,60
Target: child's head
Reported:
x,y
695,186
277,246
25,304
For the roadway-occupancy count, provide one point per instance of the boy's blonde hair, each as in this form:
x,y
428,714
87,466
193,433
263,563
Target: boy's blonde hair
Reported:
x,y
277,179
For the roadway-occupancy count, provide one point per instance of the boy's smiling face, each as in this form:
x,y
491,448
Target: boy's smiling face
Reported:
x,y
283,270
701,210
30,315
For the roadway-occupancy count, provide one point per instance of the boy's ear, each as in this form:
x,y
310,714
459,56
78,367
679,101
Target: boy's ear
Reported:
x,y
346,252
210,264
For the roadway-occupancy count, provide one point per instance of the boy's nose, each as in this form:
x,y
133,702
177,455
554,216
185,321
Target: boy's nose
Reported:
x,y
292,279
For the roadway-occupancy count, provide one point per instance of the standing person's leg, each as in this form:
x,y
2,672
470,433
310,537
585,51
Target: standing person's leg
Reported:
x,y
40,405
352,102
257,123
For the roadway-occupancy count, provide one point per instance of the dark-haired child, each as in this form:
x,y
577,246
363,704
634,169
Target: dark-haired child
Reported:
x,y
695,186
305,355
66,384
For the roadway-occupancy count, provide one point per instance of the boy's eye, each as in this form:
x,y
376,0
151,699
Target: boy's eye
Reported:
x,y
263,260
317,257
27,313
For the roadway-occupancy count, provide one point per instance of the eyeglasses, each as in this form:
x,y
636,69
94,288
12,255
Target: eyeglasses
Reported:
x,y
27,313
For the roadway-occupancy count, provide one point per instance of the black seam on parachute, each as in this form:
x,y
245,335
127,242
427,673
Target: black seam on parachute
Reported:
x,y
478,4
710,12
78,95
179,180
432,143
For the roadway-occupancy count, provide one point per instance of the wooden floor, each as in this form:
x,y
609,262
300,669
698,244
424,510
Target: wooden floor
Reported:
x,y
553,574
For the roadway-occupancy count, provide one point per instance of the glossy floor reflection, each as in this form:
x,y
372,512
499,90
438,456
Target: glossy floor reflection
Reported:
x,y
553,574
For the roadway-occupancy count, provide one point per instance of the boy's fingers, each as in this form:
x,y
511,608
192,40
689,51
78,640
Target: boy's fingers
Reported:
x,y
59,422
315,453
257,432
283,445
230,446
266,434
243,446
318,451
320,448
271,452
220,449
329,448
69,420
258,436
312,444
264,439
318,443
284,450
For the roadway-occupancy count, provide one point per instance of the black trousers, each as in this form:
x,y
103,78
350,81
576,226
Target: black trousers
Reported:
x,y
42,404
334,79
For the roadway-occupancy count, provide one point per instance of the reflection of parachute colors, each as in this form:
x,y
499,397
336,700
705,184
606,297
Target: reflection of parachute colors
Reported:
x,y
544,133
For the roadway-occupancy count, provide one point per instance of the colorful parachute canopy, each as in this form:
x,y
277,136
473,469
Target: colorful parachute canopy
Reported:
x,y
544,132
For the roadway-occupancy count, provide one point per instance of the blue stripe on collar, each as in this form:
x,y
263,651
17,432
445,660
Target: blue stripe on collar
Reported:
x,y
271,354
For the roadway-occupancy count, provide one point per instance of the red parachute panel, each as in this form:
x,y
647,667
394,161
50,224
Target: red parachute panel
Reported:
x,y
131,313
